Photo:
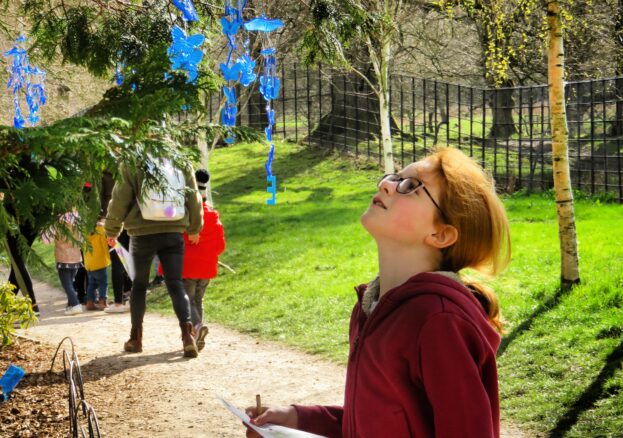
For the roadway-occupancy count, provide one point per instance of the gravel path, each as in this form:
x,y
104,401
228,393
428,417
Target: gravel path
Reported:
x,y
158,393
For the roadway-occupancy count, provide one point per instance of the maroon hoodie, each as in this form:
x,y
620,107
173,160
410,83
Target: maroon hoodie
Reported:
x,y
421,365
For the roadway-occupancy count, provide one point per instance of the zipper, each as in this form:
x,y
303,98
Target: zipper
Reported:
x,y
353,362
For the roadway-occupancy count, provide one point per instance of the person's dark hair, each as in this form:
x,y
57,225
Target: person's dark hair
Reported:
x,y
203,177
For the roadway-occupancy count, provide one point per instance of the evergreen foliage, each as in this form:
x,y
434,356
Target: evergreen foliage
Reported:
x,y
14,310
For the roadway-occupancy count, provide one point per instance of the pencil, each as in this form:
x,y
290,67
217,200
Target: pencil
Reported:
x,y
258,405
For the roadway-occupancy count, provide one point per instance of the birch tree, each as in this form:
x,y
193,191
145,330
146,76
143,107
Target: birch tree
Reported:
x,y
552,13
339,27
570,272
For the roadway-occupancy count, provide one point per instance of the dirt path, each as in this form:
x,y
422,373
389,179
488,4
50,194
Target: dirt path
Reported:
x,y
158,393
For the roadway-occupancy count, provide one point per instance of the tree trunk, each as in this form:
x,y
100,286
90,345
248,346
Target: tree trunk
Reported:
x,y
570,273
386,132
354,114
502,104
617,126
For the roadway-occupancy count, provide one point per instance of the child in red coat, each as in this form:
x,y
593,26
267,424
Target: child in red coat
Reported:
x,y
201,259
423,338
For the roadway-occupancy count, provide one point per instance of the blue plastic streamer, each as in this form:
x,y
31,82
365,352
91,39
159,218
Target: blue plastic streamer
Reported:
x,y
23,76
9,380
187,8
243,71
231,24
185,53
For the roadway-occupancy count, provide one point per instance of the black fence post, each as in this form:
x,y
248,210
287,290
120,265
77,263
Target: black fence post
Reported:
x,y
296,107
356,120
447,114
604,133
459,138
592,90
520,154
402,137
484,126
319,97
424,111
471,122
344,118
283,100
413,119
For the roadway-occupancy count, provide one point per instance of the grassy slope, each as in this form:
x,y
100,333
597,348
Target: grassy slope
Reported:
x,y
296,263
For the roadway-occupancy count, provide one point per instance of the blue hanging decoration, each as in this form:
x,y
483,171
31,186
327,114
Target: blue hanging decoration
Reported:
x,y
187,8
269,88
185,53
119,67
243,71
231,23
23,76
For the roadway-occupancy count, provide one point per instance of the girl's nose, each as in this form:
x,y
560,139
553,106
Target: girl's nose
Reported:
x,y
389,187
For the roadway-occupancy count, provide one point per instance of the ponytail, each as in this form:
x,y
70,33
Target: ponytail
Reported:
x,y
471,205
489,302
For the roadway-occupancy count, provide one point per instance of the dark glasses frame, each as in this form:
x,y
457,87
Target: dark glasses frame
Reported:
x,y
418,185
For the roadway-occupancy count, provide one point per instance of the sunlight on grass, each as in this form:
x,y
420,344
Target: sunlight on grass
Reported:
x,y
297,262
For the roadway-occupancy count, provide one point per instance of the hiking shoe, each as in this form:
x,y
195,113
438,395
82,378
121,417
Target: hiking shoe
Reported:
x,y
135,343
188,340
202,332
92,306
74,310
116,308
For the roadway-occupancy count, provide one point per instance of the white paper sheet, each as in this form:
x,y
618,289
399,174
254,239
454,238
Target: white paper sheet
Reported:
x,y
268,430
126,260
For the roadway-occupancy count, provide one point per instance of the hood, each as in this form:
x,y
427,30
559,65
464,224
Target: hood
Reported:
x,y
430,283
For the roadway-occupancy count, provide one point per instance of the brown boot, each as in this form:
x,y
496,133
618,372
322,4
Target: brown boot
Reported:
x,y
103,305
92,306
135,343
190,347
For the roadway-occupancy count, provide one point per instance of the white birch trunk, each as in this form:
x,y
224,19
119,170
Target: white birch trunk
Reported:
x,y
384,98
570,273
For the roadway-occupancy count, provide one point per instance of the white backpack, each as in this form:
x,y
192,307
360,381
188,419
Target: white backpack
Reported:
x,y
167,205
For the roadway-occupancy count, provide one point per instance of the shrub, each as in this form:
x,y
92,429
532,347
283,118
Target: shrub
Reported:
x,y
15,311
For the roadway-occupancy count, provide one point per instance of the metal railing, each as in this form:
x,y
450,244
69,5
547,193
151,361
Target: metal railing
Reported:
x,y
76,401
507,130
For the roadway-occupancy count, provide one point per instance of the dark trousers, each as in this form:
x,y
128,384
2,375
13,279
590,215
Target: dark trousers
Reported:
x,y
80,284
170,250
120,281
30,235
67,275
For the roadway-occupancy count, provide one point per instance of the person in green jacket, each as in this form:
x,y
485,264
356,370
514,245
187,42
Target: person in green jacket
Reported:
x,y
158,235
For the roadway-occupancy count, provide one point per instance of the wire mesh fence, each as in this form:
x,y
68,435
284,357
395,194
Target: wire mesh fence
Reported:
x,y
507,130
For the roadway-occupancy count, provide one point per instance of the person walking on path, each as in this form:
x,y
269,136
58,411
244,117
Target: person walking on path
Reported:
x,y
68,259
96,263
201,260
423,339
156,225
121,282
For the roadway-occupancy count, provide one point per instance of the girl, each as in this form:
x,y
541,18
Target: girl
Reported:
x,y
422,339
68,259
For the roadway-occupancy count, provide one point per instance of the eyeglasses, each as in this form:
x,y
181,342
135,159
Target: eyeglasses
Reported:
x,y
409,185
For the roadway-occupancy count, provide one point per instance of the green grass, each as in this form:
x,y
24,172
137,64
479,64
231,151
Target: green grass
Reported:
x,y
297,262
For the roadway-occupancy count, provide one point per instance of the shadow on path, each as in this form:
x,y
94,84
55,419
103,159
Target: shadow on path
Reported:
x,y
591,394
527,323
105,366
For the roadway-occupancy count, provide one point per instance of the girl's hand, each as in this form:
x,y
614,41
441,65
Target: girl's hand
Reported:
x,y
282,415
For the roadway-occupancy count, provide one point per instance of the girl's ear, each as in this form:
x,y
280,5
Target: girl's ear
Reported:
x,y
445,236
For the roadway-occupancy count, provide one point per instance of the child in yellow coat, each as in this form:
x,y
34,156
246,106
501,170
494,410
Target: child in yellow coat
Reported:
x,y
96,262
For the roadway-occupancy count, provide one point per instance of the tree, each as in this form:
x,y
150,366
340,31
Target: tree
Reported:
x,y
570,273
560,138
338,28
43,169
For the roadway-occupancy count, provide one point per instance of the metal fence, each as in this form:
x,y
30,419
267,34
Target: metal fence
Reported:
x,y
507,130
